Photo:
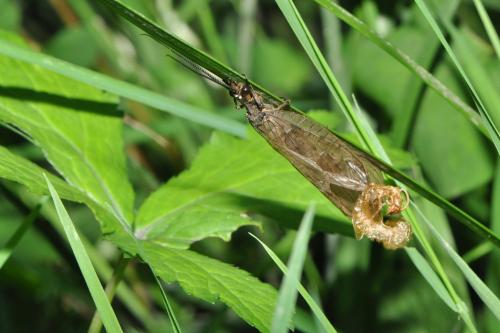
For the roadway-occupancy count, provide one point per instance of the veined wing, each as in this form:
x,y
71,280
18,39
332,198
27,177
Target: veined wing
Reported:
x,y
335,168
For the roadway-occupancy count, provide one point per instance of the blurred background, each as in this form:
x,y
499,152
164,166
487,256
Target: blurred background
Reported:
x,y
362,287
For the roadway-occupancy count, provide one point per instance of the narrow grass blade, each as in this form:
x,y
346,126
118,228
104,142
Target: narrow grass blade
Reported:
x,y
246,33
111,288
176,328
407,61
171,41
194,55
304,322
488,26
97,292
209,29
305,38
333,40
325,324
482,290
487,120
11,244
478,252
431,277
493,263
125,89
287,298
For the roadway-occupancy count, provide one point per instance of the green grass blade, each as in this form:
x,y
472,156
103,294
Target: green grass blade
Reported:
x,y
487,120
111,288
171,41
210,31
493,267
478,252
333,39
407,61
483,88
482,290
320,316
287,298
8,248
246,34
488,26
196,56
98,295
305,38
430,276
176,328
124,89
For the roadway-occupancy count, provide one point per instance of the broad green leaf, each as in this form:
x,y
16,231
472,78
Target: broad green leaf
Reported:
x,y
227,183
445,142
77,126
231,285
27,173
212,280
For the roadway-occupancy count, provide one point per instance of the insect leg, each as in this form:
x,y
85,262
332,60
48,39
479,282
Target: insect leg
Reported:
x,y
284,105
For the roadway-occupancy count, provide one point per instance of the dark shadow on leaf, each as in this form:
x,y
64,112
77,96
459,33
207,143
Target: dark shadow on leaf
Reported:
x,y
78,104
289,217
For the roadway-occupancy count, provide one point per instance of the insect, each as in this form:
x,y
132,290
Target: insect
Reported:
x,y
342,173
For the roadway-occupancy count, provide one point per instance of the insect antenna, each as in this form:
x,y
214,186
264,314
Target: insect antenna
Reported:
x,y
195,68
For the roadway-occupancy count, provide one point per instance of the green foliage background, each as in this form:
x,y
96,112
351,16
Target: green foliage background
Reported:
x,y
163,168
